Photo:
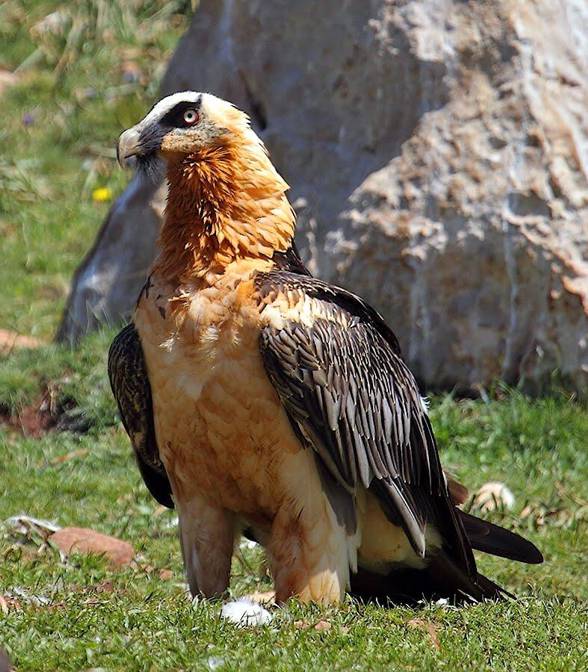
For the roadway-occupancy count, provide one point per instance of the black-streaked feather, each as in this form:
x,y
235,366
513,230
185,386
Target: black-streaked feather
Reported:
x,y
132,391
353,401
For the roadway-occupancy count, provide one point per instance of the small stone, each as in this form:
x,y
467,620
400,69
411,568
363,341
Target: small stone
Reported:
x,y
70,540
322,625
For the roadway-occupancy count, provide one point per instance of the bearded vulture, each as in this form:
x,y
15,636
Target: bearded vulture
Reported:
x,y
260,399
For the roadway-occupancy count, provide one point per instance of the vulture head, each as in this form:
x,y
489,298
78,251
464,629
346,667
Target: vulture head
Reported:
x,y
225,199
186,124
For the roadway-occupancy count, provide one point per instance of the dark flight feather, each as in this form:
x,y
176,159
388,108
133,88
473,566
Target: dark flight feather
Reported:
x,y
489,538
131,389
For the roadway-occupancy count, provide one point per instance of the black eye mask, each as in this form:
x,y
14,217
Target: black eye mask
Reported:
x,y
175,117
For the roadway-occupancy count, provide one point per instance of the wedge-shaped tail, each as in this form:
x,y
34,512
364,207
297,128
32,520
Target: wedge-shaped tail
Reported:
x,y
489,538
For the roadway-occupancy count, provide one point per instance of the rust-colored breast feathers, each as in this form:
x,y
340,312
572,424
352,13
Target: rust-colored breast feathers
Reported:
x,y
220,424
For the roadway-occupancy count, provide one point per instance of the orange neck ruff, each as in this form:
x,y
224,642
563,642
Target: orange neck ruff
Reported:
x,y
225,204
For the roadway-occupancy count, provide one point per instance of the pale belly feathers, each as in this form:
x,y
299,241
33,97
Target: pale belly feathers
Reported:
x,y
221,429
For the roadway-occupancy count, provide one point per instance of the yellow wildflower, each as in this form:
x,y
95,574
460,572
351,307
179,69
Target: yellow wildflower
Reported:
x,y
102,194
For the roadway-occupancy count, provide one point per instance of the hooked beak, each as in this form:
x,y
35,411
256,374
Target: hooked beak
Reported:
x,y
129,147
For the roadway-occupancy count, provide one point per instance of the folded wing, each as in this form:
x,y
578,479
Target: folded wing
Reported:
x,y
352,400
132,391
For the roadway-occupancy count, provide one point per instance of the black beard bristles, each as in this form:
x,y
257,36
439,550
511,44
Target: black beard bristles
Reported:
x,y
151,168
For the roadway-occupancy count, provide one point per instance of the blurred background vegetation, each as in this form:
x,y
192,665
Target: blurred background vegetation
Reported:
x,y
72,77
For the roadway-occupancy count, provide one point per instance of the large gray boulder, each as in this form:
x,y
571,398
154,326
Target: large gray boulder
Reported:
x,y
438,157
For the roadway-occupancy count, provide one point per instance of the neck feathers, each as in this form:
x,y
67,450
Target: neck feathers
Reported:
x,y
225,204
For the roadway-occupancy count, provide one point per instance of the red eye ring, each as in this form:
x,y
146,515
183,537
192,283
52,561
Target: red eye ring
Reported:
x,y
190,117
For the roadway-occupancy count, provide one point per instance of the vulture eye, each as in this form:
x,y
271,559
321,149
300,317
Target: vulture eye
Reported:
x,y
190,117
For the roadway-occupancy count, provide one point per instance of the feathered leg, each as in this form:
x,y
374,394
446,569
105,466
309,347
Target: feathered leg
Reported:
x,y
309,555
207,537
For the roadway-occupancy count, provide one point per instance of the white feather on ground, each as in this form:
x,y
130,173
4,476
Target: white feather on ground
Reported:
x,y
23,524
245,613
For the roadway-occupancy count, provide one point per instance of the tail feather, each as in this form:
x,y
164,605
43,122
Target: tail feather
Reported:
x,y
442,578
453,581
492,590
489,538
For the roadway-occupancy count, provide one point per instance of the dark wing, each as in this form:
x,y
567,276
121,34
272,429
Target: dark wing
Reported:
x,y
350,398
290,261
489,538
131,389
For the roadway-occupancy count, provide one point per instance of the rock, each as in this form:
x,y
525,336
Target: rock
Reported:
x,y
115,268
71,540
5,664
438,154
492,496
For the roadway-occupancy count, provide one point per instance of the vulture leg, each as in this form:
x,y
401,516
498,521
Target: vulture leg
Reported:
x,y
309,554
207,537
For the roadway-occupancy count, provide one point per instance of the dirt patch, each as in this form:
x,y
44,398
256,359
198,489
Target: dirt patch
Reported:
x,y
10,340
33,420
49,412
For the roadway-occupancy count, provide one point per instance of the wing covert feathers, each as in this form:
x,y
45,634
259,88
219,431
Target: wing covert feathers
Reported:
x,y
351,399
132,391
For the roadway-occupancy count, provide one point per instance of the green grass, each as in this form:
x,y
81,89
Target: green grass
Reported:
x,y
84,75
73,87
133,619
